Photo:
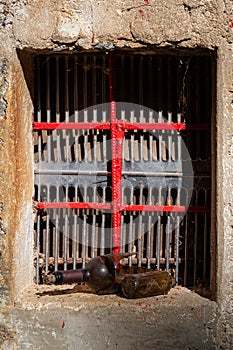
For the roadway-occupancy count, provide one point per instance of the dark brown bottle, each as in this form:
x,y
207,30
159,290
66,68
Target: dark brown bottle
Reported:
x,y
142,285
99,274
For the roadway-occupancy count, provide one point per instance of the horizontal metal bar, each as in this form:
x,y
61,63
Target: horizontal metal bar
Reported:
x,y
198,127
71,126
124,261
102,172
73,205
106,126
198,209
70,171
151,173
107,206
162,208
152,126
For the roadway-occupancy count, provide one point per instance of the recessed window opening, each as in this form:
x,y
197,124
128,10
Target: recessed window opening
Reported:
x,y
75,165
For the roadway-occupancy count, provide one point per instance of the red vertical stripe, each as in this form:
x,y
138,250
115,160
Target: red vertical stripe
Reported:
x,y
116,167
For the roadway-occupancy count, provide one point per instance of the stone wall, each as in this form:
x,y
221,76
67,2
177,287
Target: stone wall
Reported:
x,y
72,25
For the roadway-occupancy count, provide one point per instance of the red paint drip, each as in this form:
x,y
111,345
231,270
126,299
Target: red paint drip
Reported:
x,y
231,25
141,12
63,325
147,2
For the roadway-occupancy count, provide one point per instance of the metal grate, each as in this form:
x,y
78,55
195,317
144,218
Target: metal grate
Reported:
x,y
111,173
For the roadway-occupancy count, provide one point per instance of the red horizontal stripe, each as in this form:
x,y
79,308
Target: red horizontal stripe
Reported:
x,y
107,206
163,208
70,126
106,126
73,205
153,126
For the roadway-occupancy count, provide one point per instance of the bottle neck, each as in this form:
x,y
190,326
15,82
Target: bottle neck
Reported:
x,y
69,276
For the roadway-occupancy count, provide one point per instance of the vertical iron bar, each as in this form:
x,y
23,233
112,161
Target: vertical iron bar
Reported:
x,y
130,245
177,248
169,139
65,234
149,241
158,240
130,238
205,241
76,100
122,241
48,110
104,74
177,237
47,236
116,139
102,234
195,247
132,86
168,228
150,85
93,234
56,230
140,241
149,230
84,249
140,82
132,138
67,106
85,92
186,250
58,132
38,241
160,138
75,229
94,81
179,140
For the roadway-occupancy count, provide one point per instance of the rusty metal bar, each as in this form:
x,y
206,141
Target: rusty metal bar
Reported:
x,y
48,114
168,232
85,90
74,205
102,232
67,113
158,240
149,231
84,248
94,91
93,233
56,230
177,238
71,126
116,142
140,81
205,243
47,236
140,248
158,208
75,235
169,148
38,231
106,125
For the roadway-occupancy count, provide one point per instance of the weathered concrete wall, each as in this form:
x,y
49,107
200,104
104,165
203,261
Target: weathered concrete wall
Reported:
x,y
73,25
